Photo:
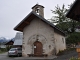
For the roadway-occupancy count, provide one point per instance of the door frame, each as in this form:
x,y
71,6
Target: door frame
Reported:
x,y
38,48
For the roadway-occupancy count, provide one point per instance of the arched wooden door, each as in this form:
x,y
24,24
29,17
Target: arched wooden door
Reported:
x,y
38,48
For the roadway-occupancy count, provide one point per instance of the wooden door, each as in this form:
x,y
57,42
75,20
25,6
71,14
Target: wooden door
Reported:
x,y
38,48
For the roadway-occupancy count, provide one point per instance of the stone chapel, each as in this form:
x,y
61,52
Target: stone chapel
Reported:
x,y
40,37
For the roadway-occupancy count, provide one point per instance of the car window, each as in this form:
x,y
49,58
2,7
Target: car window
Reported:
x,y
19,49
12,49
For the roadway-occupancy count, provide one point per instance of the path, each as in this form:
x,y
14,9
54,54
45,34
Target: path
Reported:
x,y
67,55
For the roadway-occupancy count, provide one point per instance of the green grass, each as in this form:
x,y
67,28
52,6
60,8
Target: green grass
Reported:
x,y
1,52
72,58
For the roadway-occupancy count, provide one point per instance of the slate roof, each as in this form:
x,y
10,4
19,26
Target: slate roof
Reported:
x,y
26,21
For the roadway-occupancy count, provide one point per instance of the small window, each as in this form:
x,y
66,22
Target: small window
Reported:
x,y
19,49
49,46
63,40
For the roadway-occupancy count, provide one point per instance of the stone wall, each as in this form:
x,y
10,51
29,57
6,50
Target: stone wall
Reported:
x,y
45,35
59,42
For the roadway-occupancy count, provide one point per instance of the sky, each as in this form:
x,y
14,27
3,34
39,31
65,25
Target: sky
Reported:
x,y
13,12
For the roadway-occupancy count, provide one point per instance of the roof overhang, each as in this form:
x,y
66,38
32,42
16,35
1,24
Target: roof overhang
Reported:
x,y
26,21
74,12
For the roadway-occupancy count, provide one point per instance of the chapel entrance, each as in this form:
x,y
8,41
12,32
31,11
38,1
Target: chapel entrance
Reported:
x,y
38,49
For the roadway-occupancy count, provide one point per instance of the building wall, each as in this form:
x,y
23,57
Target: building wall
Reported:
x,y
18,38
46,37
2,46
59,42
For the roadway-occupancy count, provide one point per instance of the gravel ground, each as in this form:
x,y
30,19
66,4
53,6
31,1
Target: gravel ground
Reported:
x,y
67,55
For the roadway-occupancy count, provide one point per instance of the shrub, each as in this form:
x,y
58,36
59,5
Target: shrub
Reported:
x,y
74,58
60,52
73,38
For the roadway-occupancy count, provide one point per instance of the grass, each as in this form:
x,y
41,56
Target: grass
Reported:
x,y
72,58
3,51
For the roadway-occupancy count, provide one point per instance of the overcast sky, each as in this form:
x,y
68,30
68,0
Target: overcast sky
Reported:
x,y
13,11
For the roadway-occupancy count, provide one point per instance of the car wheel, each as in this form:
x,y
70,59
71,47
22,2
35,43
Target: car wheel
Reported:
x,y
9,56
18,55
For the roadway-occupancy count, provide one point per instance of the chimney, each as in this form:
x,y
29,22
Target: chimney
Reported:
x,y
39,9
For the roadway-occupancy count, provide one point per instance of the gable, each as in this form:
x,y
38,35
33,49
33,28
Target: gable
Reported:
x,y
26,21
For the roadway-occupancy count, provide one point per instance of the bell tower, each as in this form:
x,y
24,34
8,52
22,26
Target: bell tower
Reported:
x,y
39,9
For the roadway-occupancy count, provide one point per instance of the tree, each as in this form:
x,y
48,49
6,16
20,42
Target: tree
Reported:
x,y
62,22
66,24
60,19
73,38
59,15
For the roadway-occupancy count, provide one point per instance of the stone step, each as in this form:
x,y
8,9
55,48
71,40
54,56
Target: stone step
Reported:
x,y
35,58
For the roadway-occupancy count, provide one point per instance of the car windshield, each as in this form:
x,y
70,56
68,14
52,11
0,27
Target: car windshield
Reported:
x,y
12,49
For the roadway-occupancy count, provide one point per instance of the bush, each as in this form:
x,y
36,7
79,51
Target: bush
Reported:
x,y
74,58
60,52
73,38
3,49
